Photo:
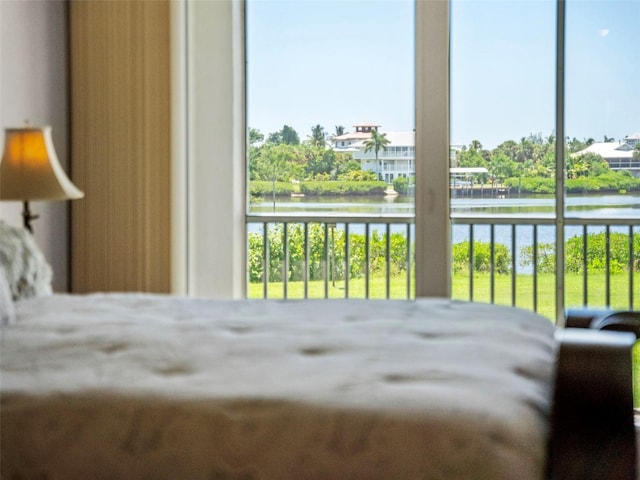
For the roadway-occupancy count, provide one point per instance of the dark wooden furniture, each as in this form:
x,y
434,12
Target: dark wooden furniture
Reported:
x,y
592,426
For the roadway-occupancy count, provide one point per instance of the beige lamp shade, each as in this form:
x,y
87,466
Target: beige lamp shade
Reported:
x,y
30,169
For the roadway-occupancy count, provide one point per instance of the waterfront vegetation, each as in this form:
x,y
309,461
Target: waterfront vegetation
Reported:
x,y
317,187
282,164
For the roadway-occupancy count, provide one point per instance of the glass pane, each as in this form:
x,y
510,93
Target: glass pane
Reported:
x,y
325,79
331,117
503,152
603,153
503,106
602,109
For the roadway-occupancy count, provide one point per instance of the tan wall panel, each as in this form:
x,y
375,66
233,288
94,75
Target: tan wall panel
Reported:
x,y
121,145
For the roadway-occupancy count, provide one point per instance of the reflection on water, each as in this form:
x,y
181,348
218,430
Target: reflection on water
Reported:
x,y
592,206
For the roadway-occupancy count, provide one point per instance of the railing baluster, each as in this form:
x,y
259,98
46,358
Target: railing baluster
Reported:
x,y
607,269
585,283
513,265
366,261
387,256
285,260
492,280
305,273
471,262
265,260
347,260
408,260
325,267
535,268
631,267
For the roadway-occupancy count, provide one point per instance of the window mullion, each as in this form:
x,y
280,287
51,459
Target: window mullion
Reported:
x,y
560,160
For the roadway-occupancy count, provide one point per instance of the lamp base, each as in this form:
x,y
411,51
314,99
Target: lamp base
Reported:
x,y
27,216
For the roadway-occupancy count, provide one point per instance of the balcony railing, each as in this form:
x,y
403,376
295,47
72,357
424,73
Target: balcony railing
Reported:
x,y
508,261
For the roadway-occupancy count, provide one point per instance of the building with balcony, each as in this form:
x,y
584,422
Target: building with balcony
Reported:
x,y
397,159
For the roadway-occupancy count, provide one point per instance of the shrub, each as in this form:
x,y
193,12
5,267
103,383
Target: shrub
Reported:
x,y
546,257
343,188
532,184
596,254
481,257
261,188
400,184
317,256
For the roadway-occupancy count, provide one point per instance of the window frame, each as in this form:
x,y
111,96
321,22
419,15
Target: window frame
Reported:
x,y
212,161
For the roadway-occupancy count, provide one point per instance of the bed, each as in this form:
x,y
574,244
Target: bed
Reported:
x,y
139,386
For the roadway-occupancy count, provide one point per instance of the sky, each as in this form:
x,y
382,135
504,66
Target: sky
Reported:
x,y
343,62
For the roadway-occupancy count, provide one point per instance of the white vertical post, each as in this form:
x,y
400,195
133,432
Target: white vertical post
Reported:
x,y
179,157
216,149
433,226
560,36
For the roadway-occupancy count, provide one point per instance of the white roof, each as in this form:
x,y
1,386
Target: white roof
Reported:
x,y
353,136
468,170
608,150
401,139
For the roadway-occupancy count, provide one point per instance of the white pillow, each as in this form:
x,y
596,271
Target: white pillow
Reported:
x,y
26,269
7,308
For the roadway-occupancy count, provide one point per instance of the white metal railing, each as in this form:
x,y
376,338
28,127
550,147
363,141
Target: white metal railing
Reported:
x,y
373,257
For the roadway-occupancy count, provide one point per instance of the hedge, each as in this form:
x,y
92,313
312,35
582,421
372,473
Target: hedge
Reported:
x,y
343,188
259,188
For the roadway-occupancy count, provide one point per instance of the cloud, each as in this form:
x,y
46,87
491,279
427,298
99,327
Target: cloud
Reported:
x,y
604,32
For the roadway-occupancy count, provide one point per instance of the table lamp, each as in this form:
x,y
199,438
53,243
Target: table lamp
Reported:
x,y
30,170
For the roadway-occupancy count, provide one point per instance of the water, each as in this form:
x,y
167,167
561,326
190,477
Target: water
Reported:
x,y
593,206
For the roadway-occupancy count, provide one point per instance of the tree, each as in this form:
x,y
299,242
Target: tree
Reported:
x,y
318,136
475,145
287,135
278,163
636,151
290,136
502,167
255,136
470,158
508,148
339,130
377,142
574,145
585,165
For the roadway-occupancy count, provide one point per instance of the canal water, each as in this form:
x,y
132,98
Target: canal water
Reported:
x,y
592,206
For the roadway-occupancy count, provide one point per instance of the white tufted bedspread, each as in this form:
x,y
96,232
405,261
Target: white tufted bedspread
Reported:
x,y
157,387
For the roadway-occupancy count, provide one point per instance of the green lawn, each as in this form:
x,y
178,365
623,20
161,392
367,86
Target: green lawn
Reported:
x,y
619,290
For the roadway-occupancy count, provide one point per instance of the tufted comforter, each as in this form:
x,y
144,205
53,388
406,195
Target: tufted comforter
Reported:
x,y
158,387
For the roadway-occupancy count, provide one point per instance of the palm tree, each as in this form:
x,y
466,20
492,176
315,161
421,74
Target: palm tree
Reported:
x,y
377,142
318,136
339,130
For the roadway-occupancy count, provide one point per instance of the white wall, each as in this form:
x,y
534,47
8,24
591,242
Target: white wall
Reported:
x,y
34,86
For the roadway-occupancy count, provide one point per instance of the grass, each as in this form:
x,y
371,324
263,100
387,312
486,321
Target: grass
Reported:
x,y
619,290
619,294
